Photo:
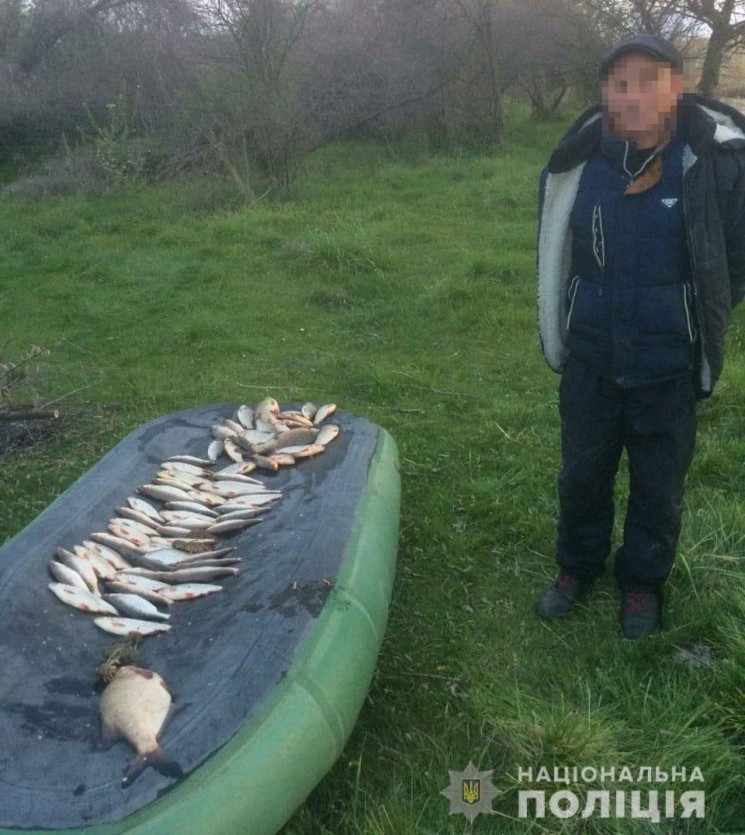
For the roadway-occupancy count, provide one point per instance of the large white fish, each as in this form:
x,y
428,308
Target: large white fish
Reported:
x,y
130,626
80,599
135,705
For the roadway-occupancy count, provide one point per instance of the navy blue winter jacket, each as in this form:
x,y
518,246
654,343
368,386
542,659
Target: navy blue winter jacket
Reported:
x,y
648,326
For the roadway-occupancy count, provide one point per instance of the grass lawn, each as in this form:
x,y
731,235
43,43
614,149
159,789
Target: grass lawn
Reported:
x,y
401,285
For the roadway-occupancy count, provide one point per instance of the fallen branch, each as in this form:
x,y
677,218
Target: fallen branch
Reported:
x,y
33,414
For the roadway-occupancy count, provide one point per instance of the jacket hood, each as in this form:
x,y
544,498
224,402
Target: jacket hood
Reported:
x,y
702,121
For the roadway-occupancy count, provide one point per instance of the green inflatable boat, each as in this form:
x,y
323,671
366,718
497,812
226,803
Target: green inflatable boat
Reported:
x,y
268,676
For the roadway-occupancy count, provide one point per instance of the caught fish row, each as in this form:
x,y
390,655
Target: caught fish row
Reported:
x,y
176,545
151,557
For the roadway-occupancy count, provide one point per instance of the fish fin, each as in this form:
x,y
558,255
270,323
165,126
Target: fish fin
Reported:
x,y
158,759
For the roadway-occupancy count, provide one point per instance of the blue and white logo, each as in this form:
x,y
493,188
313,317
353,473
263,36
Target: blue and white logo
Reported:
x,y
669,201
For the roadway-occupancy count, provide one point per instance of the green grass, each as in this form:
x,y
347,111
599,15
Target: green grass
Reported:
x,y
392,281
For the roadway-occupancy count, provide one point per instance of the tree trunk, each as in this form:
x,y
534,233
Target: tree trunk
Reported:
x,y
713,61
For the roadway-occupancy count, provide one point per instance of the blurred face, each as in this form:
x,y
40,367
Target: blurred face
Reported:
x,y
640,95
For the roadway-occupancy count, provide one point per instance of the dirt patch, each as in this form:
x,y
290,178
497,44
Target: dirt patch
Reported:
x,y
16,434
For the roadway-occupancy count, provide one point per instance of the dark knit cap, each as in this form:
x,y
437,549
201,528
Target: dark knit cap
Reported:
x,y
656,47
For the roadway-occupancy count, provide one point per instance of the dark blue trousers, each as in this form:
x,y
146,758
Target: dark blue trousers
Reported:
x,y
656,424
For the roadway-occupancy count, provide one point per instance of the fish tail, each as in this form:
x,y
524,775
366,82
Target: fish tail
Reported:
x,y
158,759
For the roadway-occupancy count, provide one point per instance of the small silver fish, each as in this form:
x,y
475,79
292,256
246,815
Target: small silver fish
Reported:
x,y
309,410
66,575
135,606
126,530
245,416
324,412
195,506
82,566
215,450
128,587
292,437
144,507
109,554
242,469
266,409
304,451
235,428
327,434
189,575
130,626
190,591
102,568
223,527
192,459
178,467
122,546
210,499
163,492
266,463
244,513
137,516
283,459
230,448
141,582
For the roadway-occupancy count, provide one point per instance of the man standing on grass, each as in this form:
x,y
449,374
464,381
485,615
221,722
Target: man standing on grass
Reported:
x,y
640,258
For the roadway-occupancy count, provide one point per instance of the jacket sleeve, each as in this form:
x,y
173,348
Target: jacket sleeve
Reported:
x,y
734,232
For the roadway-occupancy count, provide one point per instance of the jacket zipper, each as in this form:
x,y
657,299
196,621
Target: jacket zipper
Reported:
x,y
691,334
573,287
692,252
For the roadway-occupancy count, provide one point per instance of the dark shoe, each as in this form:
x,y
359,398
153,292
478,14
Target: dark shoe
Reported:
x,y
640,614
561,596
